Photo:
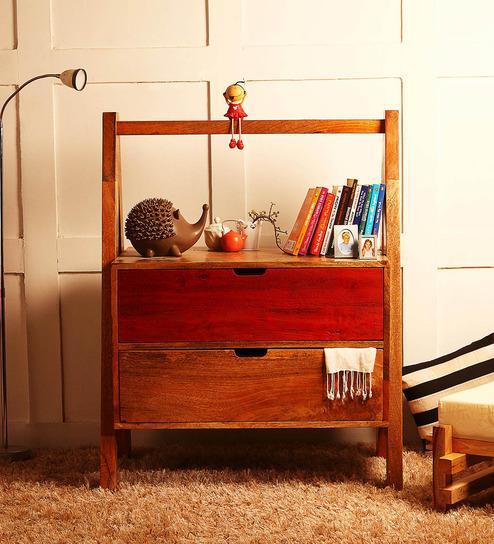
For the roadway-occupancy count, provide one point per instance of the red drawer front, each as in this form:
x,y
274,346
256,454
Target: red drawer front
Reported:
x,y
231,305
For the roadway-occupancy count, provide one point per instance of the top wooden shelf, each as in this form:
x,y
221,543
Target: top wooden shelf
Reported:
x,y
262,258
278,126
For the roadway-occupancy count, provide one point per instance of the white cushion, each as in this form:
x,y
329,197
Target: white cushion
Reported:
x,y
470,412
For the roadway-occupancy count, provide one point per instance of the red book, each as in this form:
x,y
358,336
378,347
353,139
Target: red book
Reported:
x,y
313,221
322,225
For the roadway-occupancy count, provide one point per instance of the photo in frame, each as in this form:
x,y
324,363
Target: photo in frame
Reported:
x,y
345,241
367,247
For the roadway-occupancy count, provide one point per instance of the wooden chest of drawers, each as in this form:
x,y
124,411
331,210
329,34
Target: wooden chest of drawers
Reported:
x,y
218,340
160,311
236,340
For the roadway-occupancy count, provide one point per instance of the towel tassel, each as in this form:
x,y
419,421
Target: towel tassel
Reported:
x,y
357,384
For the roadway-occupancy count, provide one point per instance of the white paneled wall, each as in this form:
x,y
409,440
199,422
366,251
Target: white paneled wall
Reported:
x,y
7,25
13,219
128,24
465,180
323,22
177,167
172,59
465,302
465,171
80,313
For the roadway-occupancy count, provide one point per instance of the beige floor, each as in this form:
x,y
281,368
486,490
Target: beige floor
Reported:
x,y
235,493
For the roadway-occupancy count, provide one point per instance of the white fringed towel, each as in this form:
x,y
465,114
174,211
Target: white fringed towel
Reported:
x,y
349,372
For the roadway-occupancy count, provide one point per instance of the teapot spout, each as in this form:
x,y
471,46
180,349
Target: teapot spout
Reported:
x,y
199,226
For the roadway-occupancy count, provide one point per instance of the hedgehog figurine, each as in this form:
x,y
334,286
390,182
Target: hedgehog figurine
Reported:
x,y
156,229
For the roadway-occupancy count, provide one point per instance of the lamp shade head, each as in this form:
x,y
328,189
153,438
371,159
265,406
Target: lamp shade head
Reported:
x,y
75,79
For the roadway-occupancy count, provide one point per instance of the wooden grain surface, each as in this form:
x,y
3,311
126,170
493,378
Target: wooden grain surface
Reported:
x,y
278,305
254,425
454,463
110,234
218,386
279,126
392,437
270,258
250,344
473,447
441,445
467,485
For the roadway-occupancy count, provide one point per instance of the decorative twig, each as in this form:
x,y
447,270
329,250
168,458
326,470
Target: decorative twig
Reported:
x,y
270,217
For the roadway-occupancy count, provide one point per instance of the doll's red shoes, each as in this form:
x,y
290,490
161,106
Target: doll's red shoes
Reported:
x,y
234,143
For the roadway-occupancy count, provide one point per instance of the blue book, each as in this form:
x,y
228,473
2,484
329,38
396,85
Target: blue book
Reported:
x,y
379,209
369,225
365,211
360,205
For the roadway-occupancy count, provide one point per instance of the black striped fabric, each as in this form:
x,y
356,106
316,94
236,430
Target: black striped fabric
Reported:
x,y
424,384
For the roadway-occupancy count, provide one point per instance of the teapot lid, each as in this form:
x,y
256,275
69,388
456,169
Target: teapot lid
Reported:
x,y
215,226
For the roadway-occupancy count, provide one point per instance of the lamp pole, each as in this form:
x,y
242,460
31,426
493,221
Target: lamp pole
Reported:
x,y
75,79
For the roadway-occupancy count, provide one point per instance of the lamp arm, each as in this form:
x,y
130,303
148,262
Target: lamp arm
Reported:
x,y
17,91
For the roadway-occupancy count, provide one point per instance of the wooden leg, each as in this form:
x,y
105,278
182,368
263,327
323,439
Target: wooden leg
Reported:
x,y
442,444
394,455
124,442
108,461
381,443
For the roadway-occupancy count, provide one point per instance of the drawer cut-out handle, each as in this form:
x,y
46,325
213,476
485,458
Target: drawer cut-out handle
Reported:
x,y
249,271
251,352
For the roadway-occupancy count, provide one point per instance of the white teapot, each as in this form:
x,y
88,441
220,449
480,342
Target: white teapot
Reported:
x,y
213,234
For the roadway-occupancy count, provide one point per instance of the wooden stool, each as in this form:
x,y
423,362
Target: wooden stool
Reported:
x,y
452,459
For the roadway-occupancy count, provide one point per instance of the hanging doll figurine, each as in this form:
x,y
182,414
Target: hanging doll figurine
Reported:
x,y
235,95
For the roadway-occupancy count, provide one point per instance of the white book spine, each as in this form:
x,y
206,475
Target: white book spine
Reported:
x,y
354,205
332,219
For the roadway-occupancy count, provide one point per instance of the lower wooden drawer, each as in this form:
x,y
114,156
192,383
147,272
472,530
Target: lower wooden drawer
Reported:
x,y
276,385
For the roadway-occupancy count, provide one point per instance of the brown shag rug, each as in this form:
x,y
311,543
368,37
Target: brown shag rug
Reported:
x,y
236,494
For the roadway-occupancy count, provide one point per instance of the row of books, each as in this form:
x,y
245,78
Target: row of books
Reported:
x,y
322,209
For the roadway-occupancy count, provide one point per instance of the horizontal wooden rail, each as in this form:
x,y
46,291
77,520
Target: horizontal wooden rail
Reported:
x,y
254,425
291,126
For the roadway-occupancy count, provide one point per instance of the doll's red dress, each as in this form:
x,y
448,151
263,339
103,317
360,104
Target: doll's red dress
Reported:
x,y
235,111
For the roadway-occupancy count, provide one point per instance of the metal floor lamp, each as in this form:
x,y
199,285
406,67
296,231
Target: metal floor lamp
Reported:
x,y
75,79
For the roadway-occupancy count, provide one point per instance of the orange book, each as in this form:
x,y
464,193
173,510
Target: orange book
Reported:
x,y
322,225
303,232
294,241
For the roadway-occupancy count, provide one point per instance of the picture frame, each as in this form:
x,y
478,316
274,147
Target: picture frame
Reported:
x,y
345,241
367,247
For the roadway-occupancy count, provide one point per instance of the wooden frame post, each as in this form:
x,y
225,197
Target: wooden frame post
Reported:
x,y
112,441
390,440
442,444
